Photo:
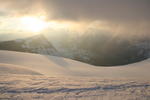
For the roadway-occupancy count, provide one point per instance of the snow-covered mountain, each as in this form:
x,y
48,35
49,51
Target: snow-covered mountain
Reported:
x,y
101,48
35,44
96,49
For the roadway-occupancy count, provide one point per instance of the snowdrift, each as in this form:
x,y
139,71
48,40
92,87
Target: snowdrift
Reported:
x,y
56,66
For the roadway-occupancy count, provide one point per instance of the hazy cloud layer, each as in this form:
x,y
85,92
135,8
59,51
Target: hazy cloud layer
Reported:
x,y
114,10
101,9
129,17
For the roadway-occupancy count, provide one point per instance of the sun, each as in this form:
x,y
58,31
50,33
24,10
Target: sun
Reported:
x,y
33,24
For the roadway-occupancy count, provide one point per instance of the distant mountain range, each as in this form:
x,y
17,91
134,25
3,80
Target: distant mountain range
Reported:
x,y
95,49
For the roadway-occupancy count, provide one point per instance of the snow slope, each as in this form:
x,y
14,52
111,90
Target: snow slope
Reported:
x,y
26,76
14,69
56,66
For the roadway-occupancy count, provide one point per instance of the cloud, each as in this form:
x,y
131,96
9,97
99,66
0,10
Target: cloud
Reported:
x,y
119,16
118,10
109,10
19,7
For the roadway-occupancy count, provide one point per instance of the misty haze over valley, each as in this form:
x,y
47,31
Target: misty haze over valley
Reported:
x,y
100,49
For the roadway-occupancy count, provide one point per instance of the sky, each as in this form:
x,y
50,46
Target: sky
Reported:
x,y
123,17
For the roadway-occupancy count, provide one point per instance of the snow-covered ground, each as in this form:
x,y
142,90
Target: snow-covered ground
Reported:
x,y
26,76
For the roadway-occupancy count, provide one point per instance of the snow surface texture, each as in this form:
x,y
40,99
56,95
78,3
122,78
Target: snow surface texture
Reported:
x,y
26,76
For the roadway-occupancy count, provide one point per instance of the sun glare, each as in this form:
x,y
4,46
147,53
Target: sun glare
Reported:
x,y
38,24
34,24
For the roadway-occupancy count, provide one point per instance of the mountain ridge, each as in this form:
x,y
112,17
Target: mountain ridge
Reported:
x,y
94,50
